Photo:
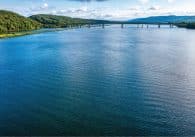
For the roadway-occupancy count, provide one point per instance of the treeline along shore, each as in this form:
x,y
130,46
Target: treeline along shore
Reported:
x,y
186,25
13,24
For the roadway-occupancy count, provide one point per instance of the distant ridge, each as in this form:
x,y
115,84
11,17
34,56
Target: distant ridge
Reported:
x,y
164,19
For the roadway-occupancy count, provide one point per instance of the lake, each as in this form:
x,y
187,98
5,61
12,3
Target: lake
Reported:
x,y
96,81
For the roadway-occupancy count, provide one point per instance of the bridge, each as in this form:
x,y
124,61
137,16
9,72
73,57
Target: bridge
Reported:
x,y
122,25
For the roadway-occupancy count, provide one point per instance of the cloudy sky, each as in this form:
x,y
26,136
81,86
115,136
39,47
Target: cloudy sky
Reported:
x,y
101,9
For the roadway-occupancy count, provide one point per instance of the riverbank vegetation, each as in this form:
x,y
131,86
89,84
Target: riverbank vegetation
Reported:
x,y
186,25
14,34
54,21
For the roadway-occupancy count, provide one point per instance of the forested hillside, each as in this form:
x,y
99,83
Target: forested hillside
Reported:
x,y
13,22
54,21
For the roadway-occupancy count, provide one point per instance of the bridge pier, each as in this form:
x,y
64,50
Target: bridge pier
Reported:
x,y
171,25
122,26
103,26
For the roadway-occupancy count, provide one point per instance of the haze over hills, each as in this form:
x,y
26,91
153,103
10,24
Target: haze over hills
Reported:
x,y
164,19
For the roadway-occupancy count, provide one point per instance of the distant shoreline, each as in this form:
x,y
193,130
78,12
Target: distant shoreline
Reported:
x,y
37,31
43,30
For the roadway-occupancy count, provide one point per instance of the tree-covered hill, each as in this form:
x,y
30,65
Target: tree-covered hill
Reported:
x,y
13,22
55,21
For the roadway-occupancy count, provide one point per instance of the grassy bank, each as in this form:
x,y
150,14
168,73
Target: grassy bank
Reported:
x,y
15,34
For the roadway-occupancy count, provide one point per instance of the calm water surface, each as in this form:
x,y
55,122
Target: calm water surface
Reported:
x,y
98,81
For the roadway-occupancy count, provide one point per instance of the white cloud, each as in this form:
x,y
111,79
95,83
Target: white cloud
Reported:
x,y
171,1
44,6
142,8
144,1
135,8
154,7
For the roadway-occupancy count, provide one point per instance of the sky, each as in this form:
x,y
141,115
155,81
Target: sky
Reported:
x,y
101,9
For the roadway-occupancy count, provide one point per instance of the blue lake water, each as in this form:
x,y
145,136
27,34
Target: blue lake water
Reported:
x,y
98,81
